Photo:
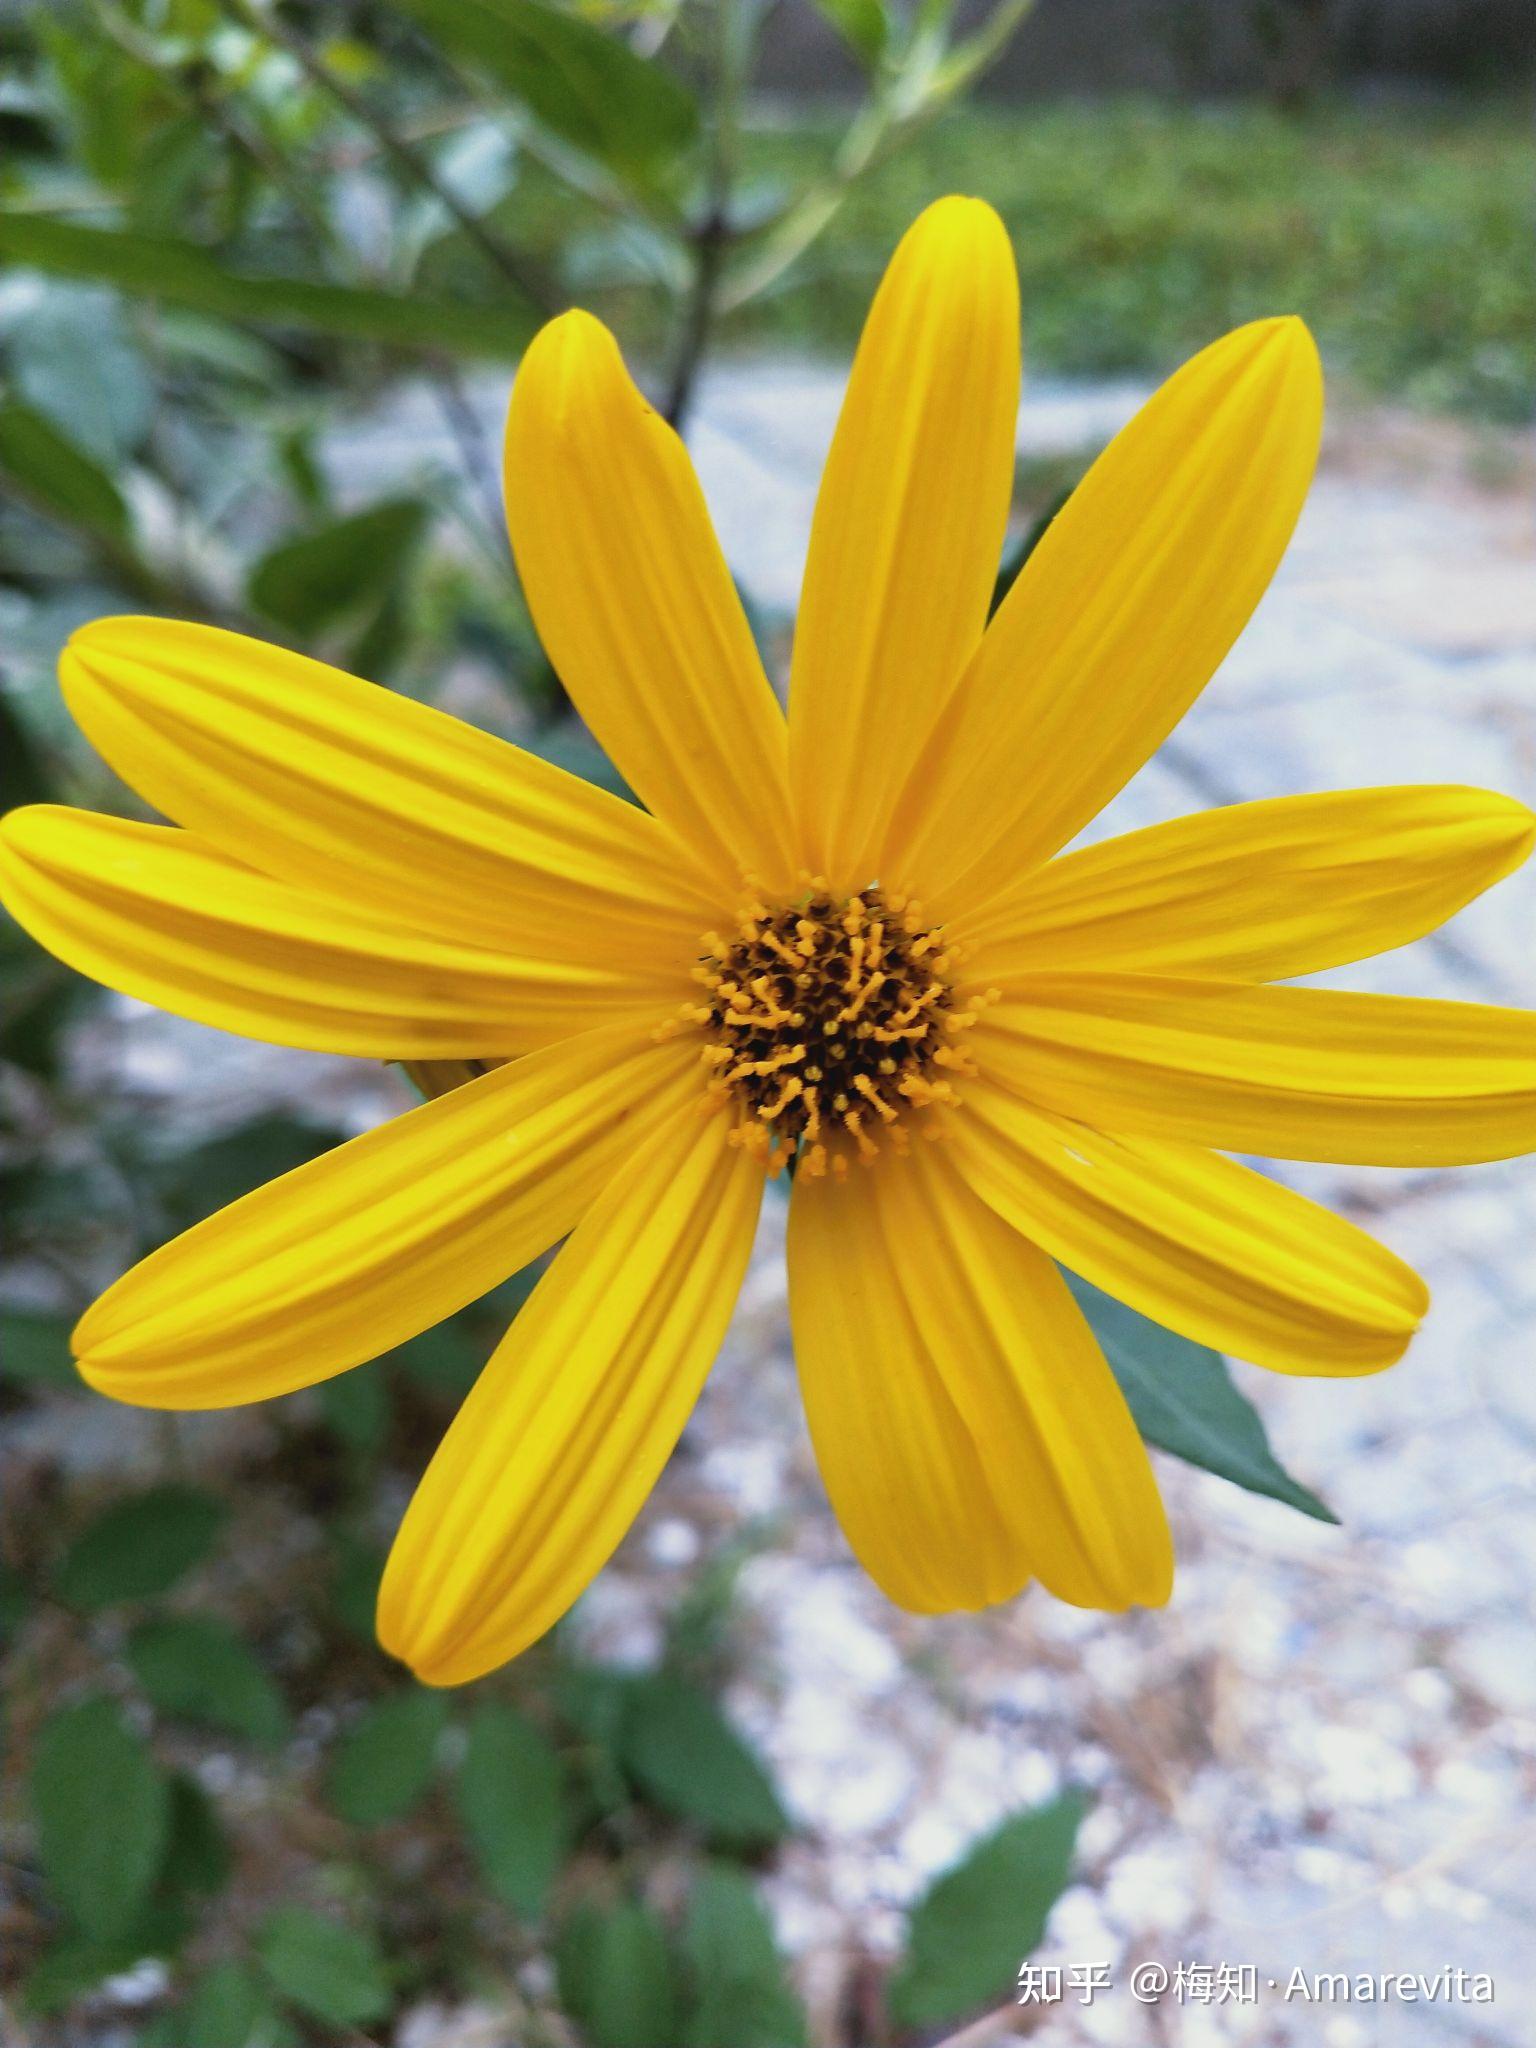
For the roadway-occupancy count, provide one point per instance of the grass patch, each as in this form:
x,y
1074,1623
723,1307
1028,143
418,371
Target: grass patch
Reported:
x,y
1144,230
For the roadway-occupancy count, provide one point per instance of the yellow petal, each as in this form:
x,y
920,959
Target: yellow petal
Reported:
x,y
908,529
1293,1073
635,605
1119,618
163,915
901,1467
350,1255
1202,1245
1259,891
314,777
967,1425
569,1425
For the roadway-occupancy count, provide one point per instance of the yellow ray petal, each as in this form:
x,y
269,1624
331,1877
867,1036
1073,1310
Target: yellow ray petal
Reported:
x,y
314,777
1119,618
350,1255
568,1427
1259,891
908,529
899,1462
163,915
915,1305
1293,1073
635,605
1199,1243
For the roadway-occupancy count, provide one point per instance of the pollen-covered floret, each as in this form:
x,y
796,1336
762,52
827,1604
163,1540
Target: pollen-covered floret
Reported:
x,y
828,1023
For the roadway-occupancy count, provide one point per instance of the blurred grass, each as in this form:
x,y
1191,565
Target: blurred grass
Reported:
x,y
1401,233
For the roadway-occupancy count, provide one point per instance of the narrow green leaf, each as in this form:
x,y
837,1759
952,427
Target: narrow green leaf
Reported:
x,y
974,1925
511,1795
740,1994
330,1972
616,1976
139,1547
385,1761
198,1669
102,1810
1184,1401
581,82
690,1761
61,479
336,569
184,274
864,25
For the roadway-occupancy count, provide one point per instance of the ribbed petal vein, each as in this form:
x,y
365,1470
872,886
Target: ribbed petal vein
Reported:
x,y
162,914
635,605
912,1302
1199,1243
1119,618
1261,891
355,1252
569,1425
1291,1073
908,528
317,778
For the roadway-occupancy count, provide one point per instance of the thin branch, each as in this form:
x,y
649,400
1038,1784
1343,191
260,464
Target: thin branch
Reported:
x,y
709,248
735,40
505,260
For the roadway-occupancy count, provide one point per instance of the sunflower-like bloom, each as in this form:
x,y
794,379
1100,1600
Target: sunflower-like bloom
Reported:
x,y
846,942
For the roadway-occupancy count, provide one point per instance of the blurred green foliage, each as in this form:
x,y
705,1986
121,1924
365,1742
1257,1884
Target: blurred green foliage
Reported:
x,y
228,233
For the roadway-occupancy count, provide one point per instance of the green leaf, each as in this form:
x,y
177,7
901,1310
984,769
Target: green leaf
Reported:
x,y
184,274
356,1406
102,1810
197,1859
198,1669
616,1976
1184,1401
57,477
357,1569
741,1997
193,1184
584,85
331,1972
385,1761
232,2008
511,1796
974,1925
864,25
35,1349
690,1761
74,360
74,1965
446,1360
139,1547
334,570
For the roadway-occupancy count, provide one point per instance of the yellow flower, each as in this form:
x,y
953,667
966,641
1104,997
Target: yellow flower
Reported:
x,y
835,937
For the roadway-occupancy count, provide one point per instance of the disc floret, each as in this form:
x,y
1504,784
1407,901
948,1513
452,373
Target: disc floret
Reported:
x,y
830,1024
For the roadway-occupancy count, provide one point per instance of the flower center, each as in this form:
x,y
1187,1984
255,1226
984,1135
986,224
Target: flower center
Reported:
x,y
829,1026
